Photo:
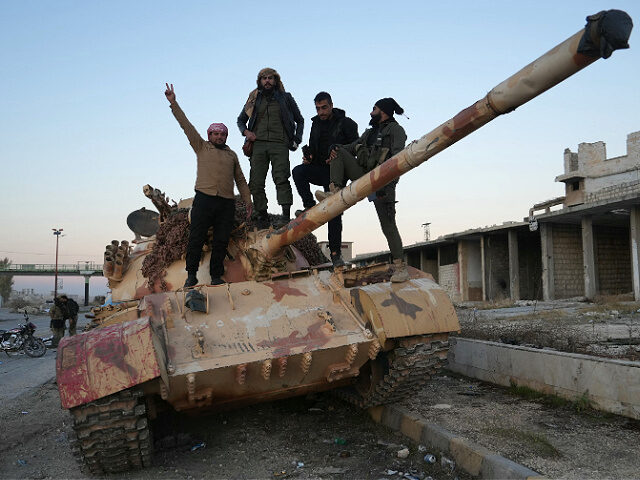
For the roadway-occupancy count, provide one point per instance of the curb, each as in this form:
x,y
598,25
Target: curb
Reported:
x,y
473,459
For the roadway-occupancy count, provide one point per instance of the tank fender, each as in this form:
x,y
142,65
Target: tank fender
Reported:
x,y
106,360
416,307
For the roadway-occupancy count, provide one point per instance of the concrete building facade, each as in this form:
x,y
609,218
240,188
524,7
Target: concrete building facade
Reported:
x,y
584,244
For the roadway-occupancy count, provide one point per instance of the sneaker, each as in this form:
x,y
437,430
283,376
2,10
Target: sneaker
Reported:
x,y
400,272
321,194
300,212
216,281
337,260
191,280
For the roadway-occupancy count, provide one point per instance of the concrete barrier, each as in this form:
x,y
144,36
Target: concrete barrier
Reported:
x,y
474,459
610,385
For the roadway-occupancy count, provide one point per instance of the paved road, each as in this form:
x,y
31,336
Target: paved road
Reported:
x,y
21,373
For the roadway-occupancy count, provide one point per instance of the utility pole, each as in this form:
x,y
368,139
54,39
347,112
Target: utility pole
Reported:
x,y
427,233
56,232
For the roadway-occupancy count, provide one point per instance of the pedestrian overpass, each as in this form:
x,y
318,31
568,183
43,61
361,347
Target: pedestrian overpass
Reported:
x,y
86,269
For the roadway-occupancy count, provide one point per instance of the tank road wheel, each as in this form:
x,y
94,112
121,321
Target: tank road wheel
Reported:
x,y
113,433
399,372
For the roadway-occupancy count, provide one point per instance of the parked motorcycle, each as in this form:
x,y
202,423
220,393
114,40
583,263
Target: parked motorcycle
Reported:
x,y
21,338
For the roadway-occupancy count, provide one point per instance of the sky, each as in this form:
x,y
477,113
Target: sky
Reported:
x,y
85,124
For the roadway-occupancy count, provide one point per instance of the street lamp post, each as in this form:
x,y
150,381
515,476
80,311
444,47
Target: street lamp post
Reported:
x,y
56,232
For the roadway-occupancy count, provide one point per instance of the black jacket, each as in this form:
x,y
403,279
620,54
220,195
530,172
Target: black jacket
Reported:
x,y
291,118
343,130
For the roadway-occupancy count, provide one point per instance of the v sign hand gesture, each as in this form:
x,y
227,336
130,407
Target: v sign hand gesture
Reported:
x,y
169,93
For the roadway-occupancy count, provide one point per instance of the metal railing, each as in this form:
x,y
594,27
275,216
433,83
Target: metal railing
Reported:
x,y
79,267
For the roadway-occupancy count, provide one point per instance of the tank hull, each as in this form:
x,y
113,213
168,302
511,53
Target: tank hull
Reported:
x,y
257,341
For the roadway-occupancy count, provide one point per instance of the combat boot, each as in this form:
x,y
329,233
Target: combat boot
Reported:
x,y
191,280
321,194
216,280
262,220
400,272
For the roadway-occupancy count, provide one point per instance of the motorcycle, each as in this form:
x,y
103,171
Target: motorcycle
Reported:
x,y
21,339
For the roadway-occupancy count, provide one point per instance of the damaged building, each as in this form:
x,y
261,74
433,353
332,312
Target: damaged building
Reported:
x,y
583,244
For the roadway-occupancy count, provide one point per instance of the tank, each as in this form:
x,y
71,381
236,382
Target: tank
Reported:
x,y
281,325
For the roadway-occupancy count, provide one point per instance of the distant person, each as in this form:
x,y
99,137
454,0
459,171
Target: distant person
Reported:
x,y
70,310
57,321
329,127
274,127
214,203
377,144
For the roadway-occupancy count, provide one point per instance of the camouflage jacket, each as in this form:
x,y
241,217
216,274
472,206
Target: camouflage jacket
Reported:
x,y
390,138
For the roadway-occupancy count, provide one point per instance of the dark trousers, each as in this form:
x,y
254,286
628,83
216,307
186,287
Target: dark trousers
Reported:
x,y
346,167
210,211
303,176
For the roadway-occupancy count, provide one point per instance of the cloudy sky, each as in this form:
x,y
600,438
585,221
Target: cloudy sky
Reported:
x,y
85,123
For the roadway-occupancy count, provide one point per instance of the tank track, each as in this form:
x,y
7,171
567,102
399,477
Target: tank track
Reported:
x,y
112,433
409,366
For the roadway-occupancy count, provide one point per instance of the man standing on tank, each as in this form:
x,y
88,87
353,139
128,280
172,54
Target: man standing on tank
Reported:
x,y
329,127
214,202
274,127
377,144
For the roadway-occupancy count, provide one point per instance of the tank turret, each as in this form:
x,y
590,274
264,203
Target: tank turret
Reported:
x,y
279,327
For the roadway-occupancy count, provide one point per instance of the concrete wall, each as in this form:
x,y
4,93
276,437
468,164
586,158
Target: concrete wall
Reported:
x,y
568,270
449,280
617,191
474,270
613,260
611,385
429,262
530,263
496,264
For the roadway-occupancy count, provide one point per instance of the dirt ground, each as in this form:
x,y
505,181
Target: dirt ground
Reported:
x,y
307,437
555,438
609,329
303,438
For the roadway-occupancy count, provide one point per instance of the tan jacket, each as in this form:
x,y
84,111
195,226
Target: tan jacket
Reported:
x,y
217,167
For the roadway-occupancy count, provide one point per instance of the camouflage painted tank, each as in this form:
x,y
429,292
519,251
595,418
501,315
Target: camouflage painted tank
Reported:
x,y
280,326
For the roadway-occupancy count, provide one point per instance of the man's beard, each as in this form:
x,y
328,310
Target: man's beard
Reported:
x,y
375,120
221,147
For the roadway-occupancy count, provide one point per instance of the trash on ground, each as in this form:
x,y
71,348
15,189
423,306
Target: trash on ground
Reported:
x,y
340,441
198,445
345,454
22,462
24,413
390,472
422,448
441,406
429,458
404,453
447,463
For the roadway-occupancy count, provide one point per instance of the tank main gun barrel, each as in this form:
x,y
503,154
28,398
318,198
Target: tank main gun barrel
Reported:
x,y
599,38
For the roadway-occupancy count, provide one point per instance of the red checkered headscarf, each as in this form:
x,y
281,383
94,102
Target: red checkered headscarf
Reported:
x,y
217,127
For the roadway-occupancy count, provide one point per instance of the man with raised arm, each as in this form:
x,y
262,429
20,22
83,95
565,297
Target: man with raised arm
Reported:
x,y
214,202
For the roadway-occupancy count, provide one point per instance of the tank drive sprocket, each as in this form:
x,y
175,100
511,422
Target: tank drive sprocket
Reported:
x,y
399,372
113,433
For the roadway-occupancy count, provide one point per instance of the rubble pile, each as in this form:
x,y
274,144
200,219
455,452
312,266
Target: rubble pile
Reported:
x,y
170,245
